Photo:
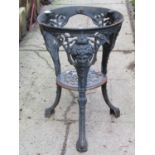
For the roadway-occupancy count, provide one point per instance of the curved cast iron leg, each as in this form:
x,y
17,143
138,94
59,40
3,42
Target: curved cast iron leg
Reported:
x,y
81,144
106,51
51,110
113,110
52,46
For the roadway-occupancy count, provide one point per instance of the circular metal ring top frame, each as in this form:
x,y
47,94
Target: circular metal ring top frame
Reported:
x,y
103,18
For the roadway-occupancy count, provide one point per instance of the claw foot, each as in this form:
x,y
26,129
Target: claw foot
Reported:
x,y
115,112
82,146
49,112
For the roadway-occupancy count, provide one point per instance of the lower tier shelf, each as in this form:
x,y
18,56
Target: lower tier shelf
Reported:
x,y
69,80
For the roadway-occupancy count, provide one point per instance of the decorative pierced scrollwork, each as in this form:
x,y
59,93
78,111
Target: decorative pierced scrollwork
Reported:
x,y
81,46
84,47
69,79
55,19
103,19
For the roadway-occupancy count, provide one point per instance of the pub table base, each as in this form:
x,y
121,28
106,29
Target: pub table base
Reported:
x,y
81,46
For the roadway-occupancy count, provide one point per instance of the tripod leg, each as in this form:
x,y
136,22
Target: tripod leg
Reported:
x,y
81,144
49,111
113,110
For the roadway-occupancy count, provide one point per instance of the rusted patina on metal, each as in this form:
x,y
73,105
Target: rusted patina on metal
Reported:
x,y
69,80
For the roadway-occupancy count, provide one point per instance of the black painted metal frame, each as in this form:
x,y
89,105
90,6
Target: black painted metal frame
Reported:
x,y
81,46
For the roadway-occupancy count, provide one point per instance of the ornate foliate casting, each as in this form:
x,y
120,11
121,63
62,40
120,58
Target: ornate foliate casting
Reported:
x,y
81,47
70,79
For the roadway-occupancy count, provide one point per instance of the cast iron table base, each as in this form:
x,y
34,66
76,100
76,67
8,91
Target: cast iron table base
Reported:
x,y
81,47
